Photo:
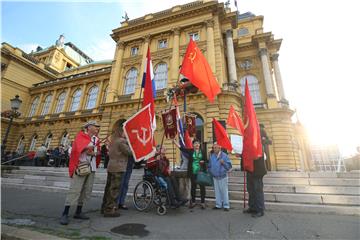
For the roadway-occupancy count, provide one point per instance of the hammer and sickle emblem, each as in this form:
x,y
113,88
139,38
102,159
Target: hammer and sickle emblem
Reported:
x,y
144,140
192,56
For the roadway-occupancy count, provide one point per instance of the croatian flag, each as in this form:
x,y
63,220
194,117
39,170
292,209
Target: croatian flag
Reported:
x,y
152,76
149,90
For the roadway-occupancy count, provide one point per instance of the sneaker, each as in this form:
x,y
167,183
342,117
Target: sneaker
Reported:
x,y
81,216
64,220
257,215
124,207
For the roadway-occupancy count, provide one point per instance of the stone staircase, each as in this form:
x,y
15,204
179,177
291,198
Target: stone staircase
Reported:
x,y
317,192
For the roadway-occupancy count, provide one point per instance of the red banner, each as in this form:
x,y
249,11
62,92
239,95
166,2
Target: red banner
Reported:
x,y
169,123
139,133
190,124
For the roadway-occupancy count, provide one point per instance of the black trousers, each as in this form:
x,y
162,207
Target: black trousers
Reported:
x,y
254,185
193,189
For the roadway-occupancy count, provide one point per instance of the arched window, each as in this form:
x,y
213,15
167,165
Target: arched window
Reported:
x,y
130,81
105,94
199,123
161,76
21,145
33,107
46,106
48,140
93,94
33,143
253,87
65,139
60,102
75,100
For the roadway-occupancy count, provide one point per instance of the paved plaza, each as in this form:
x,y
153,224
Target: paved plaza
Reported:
x,y
40,211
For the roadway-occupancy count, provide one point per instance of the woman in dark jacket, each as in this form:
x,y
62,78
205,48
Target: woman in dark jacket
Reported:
x,y
197,162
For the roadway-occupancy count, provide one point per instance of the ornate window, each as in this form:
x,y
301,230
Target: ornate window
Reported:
x,y
33,143
162,44
75,103
21,145
195,36
60,103
65,139
161,75
33,107
243,31
134,51
130,81
93,94
46,106
48,140
253,87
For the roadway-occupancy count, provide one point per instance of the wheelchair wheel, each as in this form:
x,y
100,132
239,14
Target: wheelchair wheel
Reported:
x,y
143,195
161,210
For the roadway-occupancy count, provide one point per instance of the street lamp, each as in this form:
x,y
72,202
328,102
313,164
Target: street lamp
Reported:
x,y
13,113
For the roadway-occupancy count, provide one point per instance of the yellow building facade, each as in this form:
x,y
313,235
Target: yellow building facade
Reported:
x,y
61,87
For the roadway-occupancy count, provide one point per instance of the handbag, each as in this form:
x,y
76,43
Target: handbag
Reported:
x,y
83,169
204,179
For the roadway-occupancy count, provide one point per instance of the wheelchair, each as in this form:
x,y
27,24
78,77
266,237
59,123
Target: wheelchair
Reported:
x,y
150,191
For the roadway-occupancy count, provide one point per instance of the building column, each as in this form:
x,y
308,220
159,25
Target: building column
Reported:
x,y
67,100
115,73
83,97
266,71
278,79
99,97
175,56
53,102
231,57
142,68
210,44
38,110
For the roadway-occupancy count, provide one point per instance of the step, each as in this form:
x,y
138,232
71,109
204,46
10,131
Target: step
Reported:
x,y
235,204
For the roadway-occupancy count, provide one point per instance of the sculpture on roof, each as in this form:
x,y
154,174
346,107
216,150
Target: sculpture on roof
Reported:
x,y
126,17
60,42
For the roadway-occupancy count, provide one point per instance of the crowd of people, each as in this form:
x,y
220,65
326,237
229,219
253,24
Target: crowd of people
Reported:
x,y
86,155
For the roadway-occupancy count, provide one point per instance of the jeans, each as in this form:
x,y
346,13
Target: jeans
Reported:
x,y
221,192
125,182
256,192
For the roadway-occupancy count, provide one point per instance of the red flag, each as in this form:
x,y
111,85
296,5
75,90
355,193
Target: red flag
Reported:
x,y
188,142
221,135
235,121
252,148
170,122
138,132
149,91
198,71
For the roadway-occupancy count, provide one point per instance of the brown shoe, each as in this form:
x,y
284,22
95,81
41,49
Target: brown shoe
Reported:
x,y
191,204
112,214
203,206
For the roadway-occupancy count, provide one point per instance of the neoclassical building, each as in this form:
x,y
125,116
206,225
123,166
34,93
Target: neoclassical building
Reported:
x,y
61,87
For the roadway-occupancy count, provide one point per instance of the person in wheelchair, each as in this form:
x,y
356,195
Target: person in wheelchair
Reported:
x,y
159,166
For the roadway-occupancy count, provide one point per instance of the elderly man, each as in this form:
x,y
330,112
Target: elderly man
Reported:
x,y
84,159
219,165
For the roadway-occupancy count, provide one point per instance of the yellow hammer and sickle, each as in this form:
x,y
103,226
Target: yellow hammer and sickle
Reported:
x,y
192,56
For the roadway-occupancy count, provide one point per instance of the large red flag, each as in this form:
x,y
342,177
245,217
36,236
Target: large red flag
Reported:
x,y
221,135
149,91
198,71
235,121
138,132
252,148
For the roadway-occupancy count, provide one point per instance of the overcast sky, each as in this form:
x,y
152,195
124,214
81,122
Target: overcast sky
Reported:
x,y
318,57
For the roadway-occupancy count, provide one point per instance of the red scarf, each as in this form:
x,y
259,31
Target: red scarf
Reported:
x,y
81,141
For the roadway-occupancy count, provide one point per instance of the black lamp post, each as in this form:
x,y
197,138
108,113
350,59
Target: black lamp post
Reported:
x,y
13,113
